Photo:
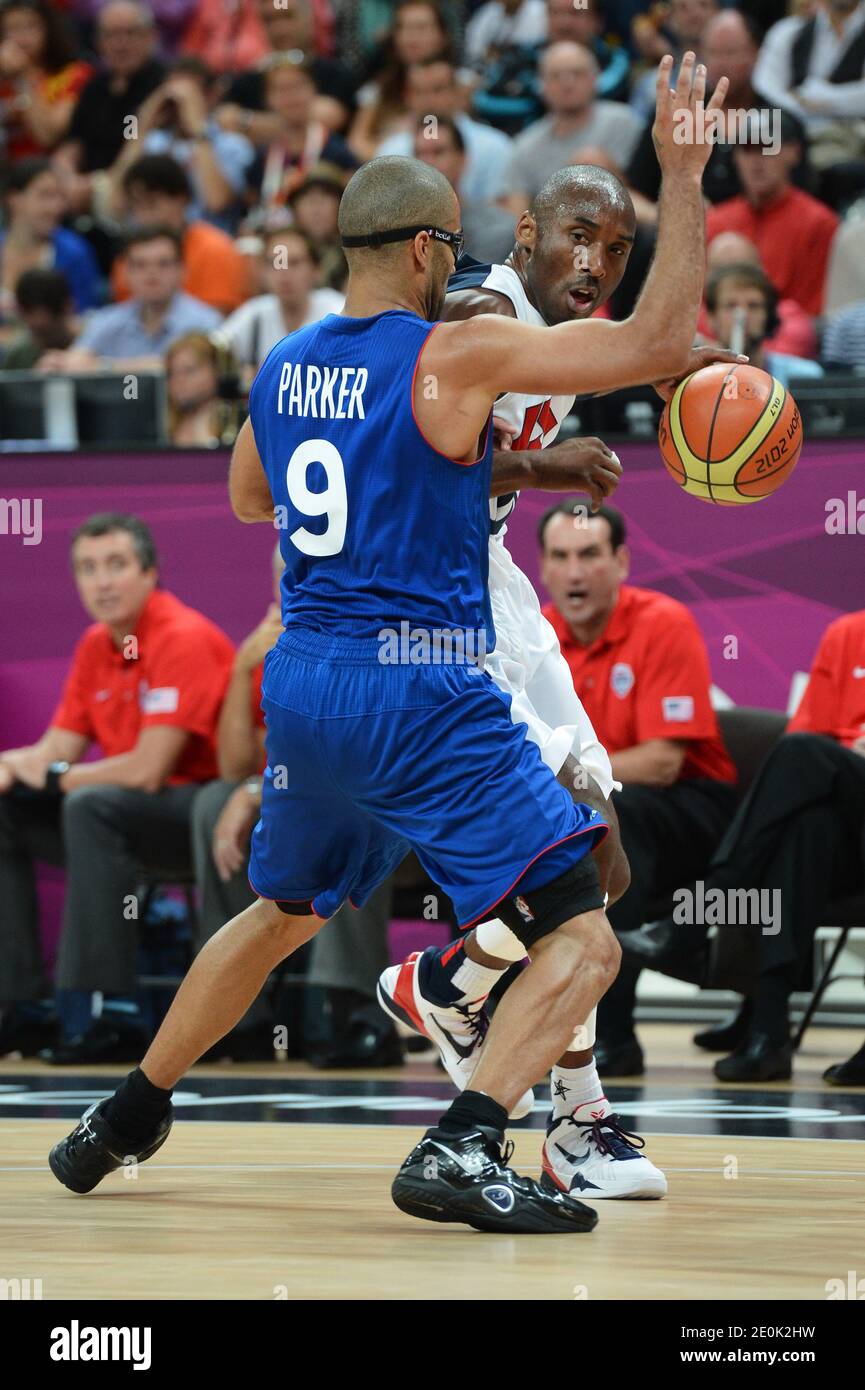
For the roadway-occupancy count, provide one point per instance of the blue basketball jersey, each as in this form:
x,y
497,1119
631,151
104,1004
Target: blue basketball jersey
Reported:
x,y
376,527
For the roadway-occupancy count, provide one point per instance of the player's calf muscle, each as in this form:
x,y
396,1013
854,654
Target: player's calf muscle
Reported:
x,y
581,960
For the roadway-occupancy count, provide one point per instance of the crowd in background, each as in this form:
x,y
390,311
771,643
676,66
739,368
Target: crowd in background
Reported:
x,y
172,171
172,175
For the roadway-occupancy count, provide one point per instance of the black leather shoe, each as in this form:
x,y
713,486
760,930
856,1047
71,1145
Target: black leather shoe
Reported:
x,y
366,1040
668,949
757,1059
849,1073
93,1149
26,1034
624,1058
728,1035
100,1043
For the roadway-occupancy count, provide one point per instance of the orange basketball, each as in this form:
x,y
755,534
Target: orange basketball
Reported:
x,y
730,434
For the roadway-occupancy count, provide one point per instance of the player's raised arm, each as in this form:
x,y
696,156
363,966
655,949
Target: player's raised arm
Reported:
x,y
493,353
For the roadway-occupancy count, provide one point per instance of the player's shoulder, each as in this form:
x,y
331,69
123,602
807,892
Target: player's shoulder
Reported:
x,y
480,287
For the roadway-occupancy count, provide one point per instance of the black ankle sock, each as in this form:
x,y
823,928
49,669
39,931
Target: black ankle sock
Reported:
x,y
770,1015
471,1109
136,1107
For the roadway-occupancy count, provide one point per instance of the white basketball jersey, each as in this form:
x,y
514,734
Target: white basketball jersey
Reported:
x,y
535,420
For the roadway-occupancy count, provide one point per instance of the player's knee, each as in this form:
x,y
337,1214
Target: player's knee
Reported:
x,y
285,929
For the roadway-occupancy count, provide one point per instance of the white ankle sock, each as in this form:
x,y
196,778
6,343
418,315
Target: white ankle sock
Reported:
x,y
578,1090
474,981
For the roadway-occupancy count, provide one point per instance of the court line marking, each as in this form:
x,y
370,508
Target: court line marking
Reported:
x,y
389,1168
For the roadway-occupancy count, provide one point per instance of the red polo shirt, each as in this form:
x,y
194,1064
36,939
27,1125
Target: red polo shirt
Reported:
x,y
834,699
647,676
178,677
793,235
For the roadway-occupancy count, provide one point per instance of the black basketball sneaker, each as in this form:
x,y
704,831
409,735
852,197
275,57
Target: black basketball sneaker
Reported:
x,y
465,1178
93,1150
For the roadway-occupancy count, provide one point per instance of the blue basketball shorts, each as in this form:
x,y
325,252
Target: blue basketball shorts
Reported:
x,y
368,761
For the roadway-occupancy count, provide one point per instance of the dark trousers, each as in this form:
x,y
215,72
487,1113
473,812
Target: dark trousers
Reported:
x,y
103,836
669,835
800,831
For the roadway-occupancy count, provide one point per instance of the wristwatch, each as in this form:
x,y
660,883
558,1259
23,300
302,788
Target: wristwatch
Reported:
x,y
53,773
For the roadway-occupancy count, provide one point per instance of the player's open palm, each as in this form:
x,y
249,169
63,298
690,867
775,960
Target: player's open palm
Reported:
x,y
684,121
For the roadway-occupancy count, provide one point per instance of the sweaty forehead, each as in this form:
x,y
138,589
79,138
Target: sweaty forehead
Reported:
x,y
613,216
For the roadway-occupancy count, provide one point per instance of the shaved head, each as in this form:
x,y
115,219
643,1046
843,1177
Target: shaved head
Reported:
x,y
579,185
391,192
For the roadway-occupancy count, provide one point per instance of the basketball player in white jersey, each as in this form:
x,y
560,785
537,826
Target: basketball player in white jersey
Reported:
x,y
570,254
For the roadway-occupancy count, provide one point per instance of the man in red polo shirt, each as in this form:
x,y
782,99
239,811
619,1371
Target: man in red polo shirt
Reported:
x,y
146,683
792,231
640,668
800,834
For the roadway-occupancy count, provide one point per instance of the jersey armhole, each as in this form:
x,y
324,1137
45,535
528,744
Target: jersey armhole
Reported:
x,y
482,438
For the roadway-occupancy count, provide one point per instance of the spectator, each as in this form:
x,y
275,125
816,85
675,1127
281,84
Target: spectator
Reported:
x,y
228,38
730,46
158,193
176,120
302,140
315,208
197,372
797,834
744,292
685,27
814,65
126,40
33,237
225,812
843,346
672,28
170,17
418,34
40,77
434,90
135,335
501,24
640,667
795,334
145,685
845,279
792,231
289,29
576,118
45,308
584,24
487,227
294,299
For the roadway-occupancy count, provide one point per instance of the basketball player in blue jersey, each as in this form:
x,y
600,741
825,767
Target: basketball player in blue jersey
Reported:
x,y
369,444
571,250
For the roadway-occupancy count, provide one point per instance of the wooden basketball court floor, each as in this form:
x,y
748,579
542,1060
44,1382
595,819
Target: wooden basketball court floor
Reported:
x,y
281,1190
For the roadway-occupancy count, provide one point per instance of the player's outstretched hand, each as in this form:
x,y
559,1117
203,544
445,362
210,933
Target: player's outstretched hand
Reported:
x,y
684,120
700,357
583,465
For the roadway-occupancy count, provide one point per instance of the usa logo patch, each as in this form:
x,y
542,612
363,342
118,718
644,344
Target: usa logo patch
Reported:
x,y
622,679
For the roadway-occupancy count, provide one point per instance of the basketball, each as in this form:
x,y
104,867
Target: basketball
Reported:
x,y
730,434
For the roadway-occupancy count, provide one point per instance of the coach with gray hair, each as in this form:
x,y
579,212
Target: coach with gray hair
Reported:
x,y
145,684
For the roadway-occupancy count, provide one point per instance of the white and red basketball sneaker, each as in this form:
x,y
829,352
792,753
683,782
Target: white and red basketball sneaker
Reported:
x,y
594,1157
458,1031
